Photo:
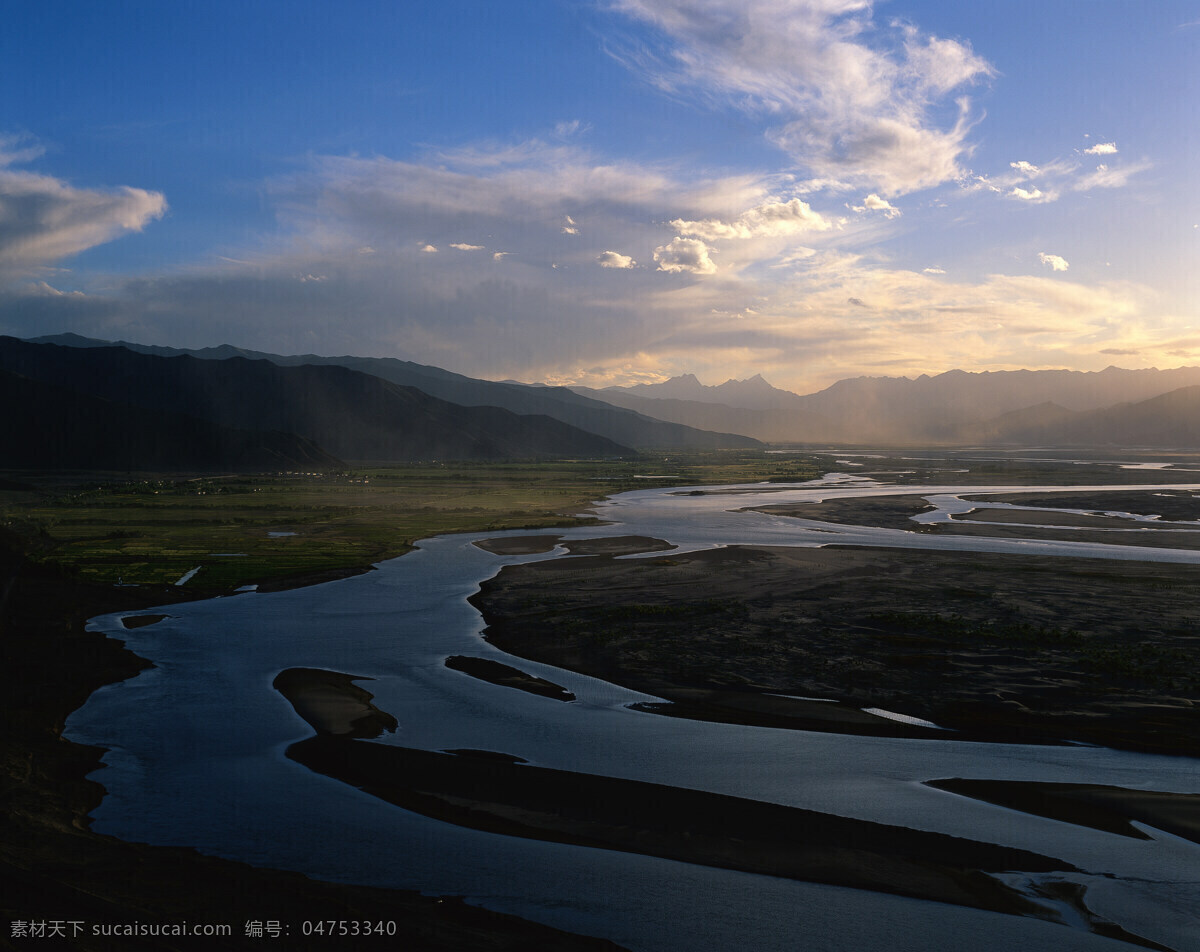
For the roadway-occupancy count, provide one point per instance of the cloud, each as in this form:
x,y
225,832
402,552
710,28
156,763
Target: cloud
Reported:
x,y
428,248
769,220
685,255
1102,148
1034,195
1104,177
851,100
570,228
613,259
934,271
44,219
1025,168
1055,262
459,246
873,203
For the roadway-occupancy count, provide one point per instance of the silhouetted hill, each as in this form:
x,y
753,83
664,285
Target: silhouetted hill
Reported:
x,y
349,414
620,425
58,428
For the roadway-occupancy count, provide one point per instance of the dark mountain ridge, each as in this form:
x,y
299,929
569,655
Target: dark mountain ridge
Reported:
x,y
620,425
59,428
348,414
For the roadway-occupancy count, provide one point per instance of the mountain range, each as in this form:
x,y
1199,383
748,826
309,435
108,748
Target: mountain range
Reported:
x,y
330,413
104,405
1060,407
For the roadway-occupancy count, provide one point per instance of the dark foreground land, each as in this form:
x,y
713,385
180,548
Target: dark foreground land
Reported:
x,y
1000,648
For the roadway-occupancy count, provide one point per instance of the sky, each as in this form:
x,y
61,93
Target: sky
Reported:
x,y
610,192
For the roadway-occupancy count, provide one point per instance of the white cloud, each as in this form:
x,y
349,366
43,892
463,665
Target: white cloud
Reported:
x,y
614,259
685,255
1055,262
460,246
934,271
1026,168
850,99
873,203
1034,195
1102,148
769,220
500,255
1104,177
428,248
44,219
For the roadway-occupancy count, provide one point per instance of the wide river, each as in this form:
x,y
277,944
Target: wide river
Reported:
x,y
196,757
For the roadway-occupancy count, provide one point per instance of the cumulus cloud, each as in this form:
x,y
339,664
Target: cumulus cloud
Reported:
x,y
769,220
1026,168
460,246
873,203
614,259
684,255
1054,262
934,271
428,248
44,219
1102,148
851,100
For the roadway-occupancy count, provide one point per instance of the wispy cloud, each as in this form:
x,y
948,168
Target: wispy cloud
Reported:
x,y
44,219
1102,148
851,100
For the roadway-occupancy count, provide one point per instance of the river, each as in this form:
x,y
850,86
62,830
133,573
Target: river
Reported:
x,y
196,757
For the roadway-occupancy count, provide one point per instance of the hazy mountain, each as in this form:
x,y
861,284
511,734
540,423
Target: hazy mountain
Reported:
x,y
753,393
772,426
620,425
349,414
955,406
1168,420
58,428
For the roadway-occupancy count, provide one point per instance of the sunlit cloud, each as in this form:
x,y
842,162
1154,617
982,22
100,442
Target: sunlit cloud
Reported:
x,y
873,203
614,259
460,246
769,220
1054,262
684,255
1102,148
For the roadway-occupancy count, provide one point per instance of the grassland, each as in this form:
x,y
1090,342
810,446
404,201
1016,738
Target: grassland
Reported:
x,y
152,531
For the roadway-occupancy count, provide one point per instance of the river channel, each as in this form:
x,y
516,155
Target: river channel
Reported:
x,y
196,756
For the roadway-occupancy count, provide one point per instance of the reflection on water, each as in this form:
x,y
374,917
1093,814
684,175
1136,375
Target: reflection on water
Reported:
x,y
197,757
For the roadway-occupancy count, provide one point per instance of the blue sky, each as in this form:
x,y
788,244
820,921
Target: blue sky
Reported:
x,y
610,191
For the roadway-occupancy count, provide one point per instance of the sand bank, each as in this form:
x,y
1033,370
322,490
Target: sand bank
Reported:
x,y
332,703
496,673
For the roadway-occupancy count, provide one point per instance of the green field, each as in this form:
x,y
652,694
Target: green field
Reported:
x,y
250,529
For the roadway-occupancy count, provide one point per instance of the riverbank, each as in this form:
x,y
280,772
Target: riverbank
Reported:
x,y
1008,648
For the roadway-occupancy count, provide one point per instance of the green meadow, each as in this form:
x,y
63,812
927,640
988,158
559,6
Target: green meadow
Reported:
x,y
243,529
